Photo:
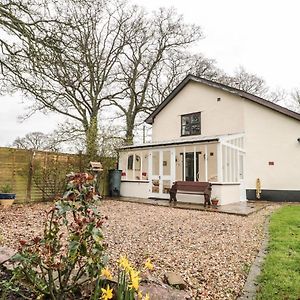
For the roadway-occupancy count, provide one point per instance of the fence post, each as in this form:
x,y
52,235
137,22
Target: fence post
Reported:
x,y
44,174
14,169
30,174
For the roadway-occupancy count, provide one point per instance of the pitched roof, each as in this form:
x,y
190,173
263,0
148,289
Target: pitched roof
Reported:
x,y
223,87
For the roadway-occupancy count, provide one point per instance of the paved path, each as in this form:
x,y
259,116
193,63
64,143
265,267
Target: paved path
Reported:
x,y
240,209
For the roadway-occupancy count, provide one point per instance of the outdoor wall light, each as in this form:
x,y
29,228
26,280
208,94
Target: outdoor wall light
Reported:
x,y
298,139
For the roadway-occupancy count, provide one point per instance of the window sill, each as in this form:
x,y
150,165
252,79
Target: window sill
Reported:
x,y
186,135
224,183
131,180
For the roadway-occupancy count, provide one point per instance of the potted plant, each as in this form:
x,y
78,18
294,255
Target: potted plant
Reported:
x,y
215,201
7,198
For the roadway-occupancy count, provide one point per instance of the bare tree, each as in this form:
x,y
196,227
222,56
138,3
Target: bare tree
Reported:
x,y
277,95
34,140
246,82
202,66
109,140
296,95
77,56
256,85
22,22
173,70
295,99
147,59
77,73
58,140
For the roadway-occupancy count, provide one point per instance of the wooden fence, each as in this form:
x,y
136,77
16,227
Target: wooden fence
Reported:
x,y
38,175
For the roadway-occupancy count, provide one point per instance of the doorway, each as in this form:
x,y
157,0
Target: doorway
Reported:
x,y
162,172
190,170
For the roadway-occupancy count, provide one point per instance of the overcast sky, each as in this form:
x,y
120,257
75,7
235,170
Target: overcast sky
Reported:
x,y
261,35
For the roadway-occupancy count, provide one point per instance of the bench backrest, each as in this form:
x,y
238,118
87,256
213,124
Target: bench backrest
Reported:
x,y
193,186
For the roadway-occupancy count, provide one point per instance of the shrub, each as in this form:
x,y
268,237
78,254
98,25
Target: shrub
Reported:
x,y
68,260
69,255
6,188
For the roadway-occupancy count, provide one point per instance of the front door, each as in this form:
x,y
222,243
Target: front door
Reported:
x,y
161,172
190,170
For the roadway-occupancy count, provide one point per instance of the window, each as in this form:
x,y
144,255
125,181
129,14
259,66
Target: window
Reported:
x,y
190,124
137,162
130,162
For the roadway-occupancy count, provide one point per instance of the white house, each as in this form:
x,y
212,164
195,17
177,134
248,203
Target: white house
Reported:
x,y
207,131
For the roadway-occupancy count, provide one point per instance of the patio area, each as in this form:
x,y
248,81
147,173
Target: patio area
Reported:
x,y
238,209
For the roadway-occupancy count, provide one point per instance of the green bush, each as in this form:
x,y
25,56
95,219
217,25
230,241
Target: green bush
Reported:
x,y
69,256
6,188
68,261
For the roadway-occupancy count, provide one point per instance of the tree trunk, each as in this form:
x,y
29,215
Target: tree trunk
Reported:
x,y
129,131
92,140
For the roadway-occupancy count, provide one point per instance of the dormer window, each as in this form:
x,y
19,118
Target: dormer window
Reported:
x,y
191,124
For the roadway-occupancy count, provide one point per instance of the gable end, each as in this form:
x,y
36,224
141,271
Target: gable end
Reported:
x,y
226,88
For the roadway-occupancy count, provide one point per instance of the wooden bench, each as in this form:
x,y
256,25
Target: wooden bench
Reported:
x,y
191,187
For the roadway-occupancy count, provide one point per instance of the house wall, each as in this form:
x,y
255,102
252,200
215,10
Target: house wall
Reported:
x,y
135,189
226,193
217,117
272,152
271,137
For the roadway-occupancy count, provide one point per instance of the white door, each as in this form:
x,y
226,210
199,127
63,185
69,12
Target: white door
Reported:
x,y
161,172
241,177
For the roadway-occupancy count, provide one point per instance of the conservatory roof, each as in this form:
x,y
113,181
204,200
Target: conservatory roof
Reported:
x,y
183,141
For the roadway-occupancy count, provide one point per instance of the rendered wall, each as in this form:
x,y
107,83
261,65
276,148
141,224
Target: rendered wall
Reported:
x,y
135,189
226,193
217,117
271,137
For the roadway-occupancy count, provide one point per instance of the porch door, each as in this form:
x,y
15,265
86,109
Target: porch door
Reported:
x,y
241,163
162,172
190,169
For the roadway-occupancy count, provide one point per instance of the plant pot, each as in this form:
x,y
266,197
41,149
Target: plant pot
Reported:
x,y
215,202
7,199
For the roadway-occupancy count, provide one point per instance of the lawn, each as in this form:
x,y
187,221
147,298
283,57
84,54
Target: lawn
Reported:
x,y
280,278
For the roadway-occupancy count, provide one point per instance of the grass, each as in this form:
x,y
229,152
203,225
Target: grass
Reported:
x,y
280,277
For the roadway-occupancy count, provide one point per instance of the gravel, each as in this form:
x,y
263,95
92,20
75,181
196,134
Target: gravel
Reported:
x,y
211,251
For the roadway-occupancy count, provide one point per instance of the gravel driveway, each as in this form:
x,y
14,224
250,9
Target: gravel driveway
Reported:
x,y
212,251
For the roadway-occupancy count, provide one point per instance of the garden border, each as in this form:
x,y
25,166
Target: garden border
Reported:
x,y
250,287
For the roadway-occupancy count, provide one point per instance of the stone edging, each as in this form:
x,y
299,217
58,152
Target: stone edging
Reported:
x,y
250,287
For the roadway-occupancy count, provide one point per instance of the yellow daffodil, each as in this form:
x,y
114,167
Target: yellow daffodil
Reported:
x,y
140,295
106,273
147,297
106,293
135,280
124,264
148,264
